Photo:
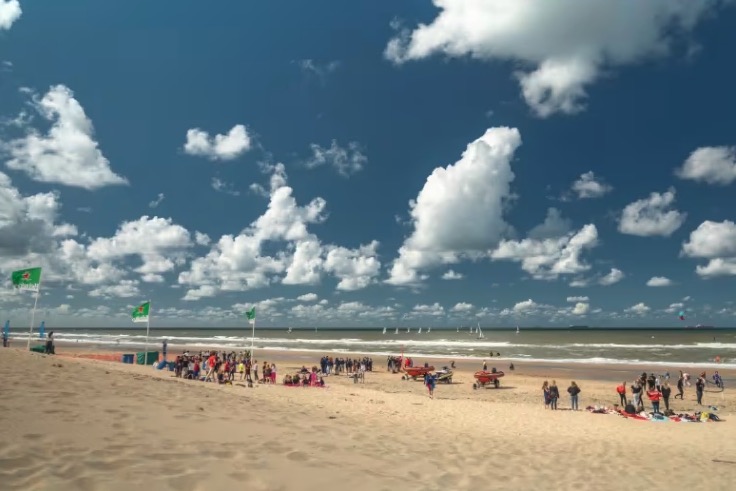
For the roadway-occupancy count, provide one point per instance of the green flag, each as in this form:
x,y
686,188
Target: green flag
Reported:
x,y
251,315
140,313
27,279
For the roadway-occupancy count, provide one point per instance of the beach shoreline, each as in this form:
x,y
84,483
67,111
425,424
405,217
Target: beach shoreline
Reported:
x,y
582,371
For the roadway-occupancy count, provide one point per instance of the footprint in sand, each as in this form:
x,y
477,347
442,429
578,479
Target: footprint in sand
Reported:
x,y
298,456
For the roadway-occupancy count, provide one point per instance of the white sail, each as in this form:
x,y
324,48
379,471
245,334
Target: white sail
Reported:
x,y
480,332
289,330
384,330
429,329
420,331
397,331
408,329
517,330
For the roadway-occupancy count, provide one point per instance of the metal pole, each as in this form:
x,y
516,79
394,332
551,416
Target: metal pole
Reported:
x,y
148,330
33,314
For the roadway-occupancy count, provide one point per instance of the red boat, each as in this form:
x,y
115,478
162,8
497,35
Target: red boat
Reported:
x,y
416,372
484,378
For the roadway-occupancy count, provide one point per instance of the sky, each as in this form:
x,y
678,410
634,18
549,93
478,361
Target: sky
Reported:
x,y
364,163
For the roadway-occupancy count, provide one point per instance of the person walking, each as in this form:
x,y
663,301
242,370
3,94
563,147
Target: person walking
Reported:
x,y
573,390
680,387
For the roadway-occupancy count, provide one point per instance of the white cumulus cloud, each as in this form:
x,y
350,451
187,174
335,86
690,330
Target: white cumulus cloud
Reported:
x,y
613,277
452,275
578,299
652,216
68,153
639,309
588,186
308,297
562,45
459,211
219,147
10,12
659,281
712,165
715,241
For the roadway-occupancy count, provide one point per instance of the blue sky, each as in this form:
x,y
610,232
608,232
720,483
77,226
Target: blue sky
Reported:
x,y
367,150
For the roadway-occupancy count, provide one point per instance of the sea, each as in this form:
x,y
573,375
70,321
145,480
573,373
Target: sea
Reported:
x,y
707,348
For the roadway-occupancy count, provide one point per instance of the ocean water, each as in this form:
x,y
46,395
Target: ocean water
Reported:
x,y
652,347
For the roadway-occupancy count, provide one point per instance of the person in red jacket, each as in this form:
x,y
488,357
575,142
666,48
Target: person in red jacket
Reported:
x,y
621,389
654,396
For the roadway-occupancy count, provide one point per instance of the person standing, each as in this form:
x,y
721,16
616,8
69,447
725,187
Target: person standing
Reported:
x,y
554,394
699,388
654,396
573,390
636,390
621,389
666,391
545,392
50,344
164,345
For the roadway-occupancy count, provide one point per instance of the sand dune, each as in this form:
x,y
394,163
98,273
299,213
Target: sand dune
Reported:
x,y
87,425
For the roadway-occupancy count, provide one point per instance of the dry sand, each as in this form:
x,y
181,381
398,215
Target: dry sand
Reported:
x,y
88,425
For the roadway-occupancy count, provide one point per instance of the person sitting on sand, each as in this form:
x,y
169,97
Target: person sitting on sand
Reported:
x,y
511,367
287,380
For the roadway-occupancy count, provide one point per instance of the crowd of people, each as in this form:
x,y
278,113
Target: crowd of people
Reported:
x,y
656,389
331,365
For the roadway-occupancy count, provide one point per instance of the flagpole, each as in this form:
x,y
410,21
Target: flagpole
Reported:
x,y
252,339
148,330
33,314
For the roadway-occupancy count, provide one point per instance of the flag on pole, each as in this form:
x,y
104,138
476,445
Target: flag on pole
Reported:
x,y
42,330
27,279
140,313
6,329
251,315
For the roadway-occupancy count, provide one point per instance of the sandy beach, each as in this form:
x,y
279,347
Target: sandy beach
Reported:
x,y
80,424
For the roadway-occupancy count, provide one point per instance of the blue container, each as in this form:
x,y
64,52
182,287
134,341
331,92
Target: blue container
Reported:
x,y
128,358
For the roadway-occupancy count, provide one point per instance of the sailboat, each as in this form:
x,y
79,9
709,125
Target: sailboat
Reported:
x,y
408,329
397,331
480,332
420,331
384,330
429,329
289,331
517,330
458,329
315,328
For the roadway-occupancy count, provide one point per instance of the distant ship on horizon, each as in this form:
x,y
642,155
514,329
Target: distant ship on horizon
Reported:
x,y
700,326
